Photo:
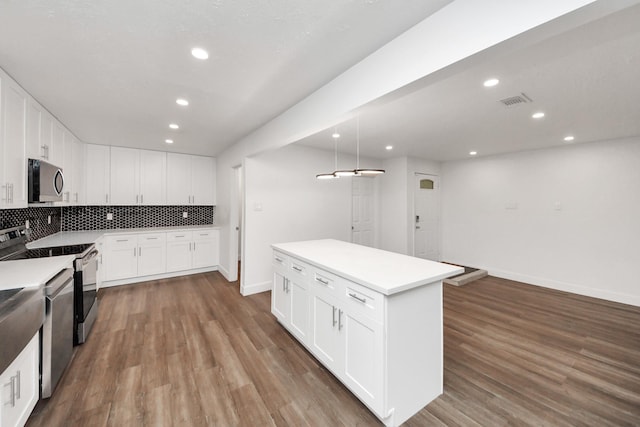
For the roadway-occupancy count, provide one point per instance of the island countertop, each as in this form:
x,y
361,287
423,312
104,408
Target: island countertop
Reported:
x,y
383,271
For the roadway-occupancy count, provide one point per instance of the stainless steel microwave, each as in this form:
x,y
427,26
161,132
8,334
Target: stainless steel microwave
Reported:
x,y
46,182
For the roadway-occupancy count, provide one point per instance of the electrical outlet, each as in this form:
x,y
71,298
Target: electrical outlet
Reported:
x,y
109,217
185,215
26,224
49,219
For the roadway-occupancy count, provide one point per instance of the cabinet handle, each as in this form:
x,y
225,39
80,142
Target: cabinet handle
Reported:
x,y
141,198
296,268
11,193
122,240
194,246
333,316
356,297
6,193
18,386
76,197
137,197
279,259
134,251
106,198
12,399
339,320
180,236
139,251
321,280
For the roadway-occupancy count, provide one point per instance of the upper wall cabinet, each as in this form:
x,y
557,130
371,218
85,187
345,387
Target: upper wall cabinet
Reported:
x,y
13,125
137,177
97,175
190,180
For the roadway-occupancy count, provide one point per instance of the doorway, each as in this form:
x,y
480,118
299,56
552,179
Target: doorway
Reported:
x,y
426,217
236,212
362,211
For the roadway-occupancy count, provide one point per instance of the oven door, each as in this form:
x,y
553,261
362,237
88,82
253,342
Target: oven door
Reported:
x,y
85,292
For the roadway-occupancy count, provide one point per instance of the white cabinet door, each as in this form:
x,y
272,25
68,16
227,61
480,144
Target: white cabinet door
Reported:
x,y
325,339
121,257
280,301
179,250
97,174
203,186
67,168
46,136
363,358
19,384
152,254
56,150
78,173
13,164
178,179
124,176
35,150
206,248
299,320
153,167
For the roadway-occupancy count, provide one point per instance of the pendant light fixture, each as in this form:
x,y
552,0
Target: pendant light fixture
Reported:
x,y
337,173
364,171
332,175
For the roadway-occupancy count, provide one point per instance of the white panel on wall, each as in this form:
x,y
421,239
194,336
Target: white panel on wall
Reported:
x,y
565,218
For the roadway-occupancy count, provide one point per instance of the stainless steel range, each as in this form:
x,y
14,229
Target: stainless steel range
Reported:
x,y
13,246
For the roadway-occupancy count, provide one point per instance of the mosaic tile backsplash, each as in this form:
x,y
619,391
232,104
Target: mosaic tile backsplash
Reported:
x,y
95,217
47,220
43,221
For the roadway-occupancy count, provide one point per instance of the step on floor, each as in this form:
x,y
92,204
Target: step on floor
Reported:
x,y
469,275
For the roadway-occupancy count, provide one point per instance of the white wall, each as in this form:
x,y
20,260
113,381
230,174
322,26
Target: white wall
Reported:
x,y
566,218
285,202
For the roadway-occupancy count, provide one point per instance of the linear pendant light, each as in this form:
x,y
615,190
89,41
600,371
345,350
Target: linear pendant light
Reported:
x,y
337,173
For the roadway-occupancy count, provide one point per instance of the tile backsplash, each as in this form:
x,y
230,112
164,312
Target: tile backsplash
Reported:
x,y
47,220
95,217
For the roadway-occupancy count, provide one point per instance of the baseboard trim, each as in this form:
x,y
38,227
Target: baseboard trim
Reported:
x,y
255,288
567,287
131,280
224,272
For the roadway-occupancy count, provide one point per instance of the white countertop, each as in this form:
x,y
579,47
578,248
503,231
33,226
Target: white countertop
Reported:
x,y
26,273
65,238
382,271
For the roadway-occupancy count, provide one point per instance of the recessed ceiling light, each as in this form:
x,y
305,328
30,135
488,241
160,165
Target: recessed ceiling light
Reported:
x,y
182,101
174,126
569,138
491,82
335,135
473,153
199,53
169,141
388,147
538,115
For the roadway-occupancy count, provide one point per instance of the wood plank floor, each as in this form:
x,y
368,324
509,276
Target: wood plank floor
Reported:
x,y
191,351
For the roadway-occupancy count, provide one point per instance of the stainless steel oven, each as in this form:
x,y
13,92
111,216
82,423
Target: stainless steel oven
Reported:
x,y
86,301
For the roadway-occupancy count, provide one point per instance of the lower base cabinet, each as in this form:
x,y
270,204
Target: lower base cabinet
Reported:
x,y
130,256
387,349
20,386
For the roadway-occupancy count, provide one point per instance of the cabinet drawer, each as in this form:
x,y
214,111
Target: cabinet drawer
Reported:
x,y
204,234
362,300
177,236
279,259
124,241
298,270
151,238
326,282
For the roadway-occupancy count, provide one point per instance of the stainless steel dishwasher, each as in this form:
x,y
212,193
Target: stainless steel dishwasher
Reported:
x,y
57,330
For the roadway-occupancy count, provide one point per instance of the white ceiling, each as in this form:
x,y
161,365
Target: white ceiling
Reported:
x,y
111,70
587,81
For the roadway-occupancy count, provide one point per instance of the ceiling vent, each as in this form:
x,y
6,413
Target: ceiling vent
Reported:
x,y
514,101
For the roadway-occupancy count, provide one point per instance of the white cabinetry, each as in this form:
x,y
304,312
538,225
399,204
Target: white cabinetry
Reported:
x,y
137,177
13,164
373,318
78,155
132,255
56,151
35,148
192,249
190,180
97,175
20,386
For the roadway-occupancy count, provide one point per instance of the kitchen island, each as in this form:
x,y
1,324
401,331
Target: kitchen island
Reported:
x,y
372,317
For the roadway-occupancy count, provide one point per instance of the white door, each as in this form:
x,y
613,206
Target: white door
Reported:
x,y
362,213
426,216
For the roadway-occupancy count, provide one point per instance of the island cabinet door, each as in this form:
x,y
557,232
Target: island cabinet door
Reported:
x,y
363,340
299,320
280,301
325,340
